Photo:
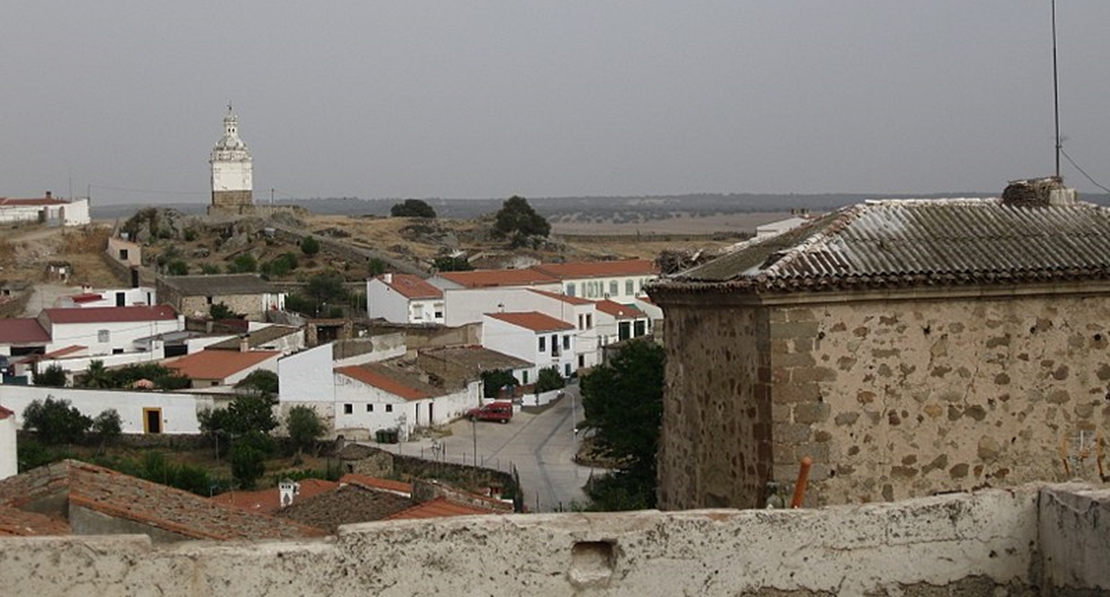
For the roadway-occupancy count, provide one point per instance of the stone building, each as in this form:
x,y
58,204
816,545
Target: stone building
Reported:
x,y
245,294
232,170
907,347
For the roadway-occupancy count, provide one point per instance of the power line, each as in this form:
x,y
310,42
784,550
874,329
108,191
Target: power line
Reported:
x,y
1083,172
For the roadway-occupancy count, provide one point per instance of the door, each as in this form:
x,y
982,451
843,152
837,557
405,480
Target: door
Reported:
x,y
431,417
152,420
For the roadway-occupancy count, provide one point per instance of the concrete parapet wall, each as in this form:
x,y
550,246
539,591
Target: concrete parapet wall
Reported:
x,y
983,543
1075,538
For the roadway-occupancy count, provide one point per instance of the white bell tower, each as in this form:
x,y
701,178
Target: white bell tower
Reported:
x,y
232,168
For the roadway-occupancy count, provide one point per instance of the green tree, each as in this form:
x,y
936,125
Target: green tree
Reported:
x,y
243,264
516,220
304,427
495,379
452,264
280,265
310,246
97,376
220,311
53,376
549,379
177,267
623,400
260,381
56,421
327,287
107,426
209,269
412,208
248,462
375,266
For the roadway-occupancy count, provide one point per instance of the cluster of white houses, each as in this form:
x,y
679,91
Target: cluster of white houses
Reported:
x,y
521,321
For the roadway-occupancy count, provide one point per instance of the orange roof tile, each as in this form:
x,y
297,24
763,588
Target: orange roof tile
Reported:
x,y
498,277
34,201
61,352
23,330
268,501
5,413
219,364
382,382
409,286
377,483
111,314
532,320
439,508
86,297
598,269
16,522
619,311
566,298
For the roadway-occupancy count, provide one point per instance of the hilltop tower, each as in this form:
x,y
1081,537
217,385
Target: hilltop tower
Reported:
x,y
232,166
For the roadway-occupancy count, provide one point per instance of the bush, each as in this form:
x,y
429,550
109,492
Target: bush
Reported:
x,y
53,376
495,379
220,311
260,381
412,208
243,264
549,379
310,246
375,266
190,234
516,220
304,427
299,304
280,265
56,421
248,459
177,267
107,426
452,264
209,269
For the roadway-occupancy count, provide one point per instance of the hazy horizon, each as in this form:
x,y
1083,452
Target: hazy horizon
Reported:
x,y
573,99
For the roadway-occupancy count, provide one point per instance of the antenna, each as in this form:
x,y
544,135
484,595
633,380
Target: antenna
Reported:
x,y
1056,91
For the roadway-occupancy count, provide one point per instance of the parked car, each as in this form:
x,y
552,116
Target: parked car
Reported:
x,y
502,412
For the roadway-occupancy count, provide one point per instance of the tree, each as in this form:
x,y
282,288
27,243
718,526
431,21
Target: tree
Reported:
x,y
549,379
107,426
623,400
56,421
495,379
261,381
177,267
452,264
248,462
412,208
327,287
304,427
243,264
219,311
516,220
310,246
53,376
97,375
280,265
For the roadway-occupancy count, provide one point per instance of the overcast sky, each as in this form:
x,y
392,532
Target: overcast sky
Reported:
x,y
488,99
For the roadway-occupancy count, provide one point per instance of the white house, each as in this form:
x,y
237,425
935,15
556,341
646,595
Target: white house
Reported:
x,y
618,280
404,298
372,397
45,209
617,322
9,465
107,330
534,337
496,278
140,411
112,297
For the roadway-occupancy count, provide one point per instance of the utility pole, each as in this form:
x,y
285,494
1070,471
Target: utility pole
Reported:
x,y
1056,90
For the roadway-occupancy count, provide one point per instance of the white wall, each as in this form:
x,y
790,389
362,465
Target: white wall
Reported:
x,y
143,295
608,328
9,464
270,364
373,409
600,288
179,410
22,213
382,301
76,213
306,377
121,334
524,344
80,364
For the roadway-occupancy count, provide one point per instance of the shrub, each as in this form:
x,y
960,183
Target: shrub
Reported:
x,y
56,421
220,311
243,264
53,376
304,427
412,208
107,426
177,267
310,246
495,379
549,379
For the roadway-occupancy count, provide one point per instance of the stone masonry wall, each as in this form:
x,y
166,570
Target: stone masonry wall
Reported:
x,y
244,304
716,409
895,399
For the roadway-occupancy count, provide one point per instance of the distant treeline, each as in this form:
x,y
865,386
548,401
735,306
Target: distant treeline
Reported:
x,y
588,207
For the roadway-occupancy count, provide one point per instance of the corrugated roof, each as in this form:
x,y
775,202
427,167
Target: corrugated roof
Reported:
x,y
570,300
111,314
409,286
219,285
22,331
533,320
619,311
598,269
219,364
389,381
498,277
919,242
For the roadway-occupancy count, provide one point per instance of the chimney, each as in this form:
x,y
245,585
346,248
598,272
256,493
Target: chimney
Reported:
x,y
387,278
287,490
1039,192
49,195
245,343
86,289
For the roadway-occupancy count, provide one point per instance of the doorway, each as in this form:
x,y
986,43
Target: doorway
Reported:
x,y
152,420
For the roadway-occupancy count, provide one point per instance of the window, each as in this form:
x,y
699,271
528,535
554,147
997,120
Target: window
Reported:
x,y
525,376
614,289
566,370
629,287
123,254
624,330
389,408
638,328
566,341
438,310
581,361
417,312
103,336
581,322
543,344
208,299
570,289
589,321
554,345
369,408
348,409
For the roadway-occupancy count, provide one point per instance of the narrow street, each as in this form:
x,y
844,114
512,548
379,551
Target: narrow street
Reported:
x,y
541,446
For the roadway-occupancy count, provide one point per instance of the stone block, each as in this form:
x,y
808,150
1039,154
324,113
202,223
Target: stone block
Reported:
x,y
797,329
812,412
791,393
808,374
792,433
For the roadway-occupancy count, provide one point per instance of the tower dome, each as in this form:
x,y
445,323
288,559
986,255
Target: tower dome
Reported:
x,y
232,168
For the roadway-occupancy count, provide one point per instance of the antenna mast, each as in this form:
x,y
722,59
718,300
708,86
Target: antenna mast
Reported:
x,y
1055,90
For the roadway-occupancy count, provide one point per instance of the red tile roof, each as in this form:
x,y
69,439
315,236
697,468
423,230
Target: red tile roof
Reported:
x,y
7,201
619,311
498,277
219,364
532,320
111,314
22,331
85,297
598,269
5,413
121,496
61,352
573,300
413,287
268,501
17,523
439,508
377,483
375,378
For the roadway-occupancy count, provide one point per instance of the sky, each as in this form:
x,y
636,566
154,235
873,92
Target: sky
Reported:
x,y
486,99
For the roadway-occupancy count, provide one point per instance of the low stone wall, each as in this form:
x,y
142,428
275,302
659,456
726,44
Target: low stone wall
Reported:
x,y
458,475
966,544
1075,539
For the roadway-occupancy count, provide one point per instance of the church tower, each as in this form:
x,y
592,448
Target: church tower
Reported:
x,y
232,181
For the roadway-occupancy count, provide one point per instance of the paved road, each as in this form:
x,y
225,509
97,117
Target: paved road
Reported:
x,y
541,446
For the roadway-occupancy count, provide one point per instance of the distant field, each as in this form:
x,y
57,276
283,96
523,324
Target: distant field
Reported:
x,y
678,224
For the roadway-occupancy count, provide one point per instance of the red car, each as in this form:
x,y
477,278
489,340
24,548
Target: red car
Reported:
x,y
502,412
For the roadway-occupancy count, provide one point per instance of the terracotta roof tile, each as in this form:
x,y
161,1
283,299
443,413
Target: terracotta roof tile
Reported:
x,y
439,508
619,311
389,381
409,286
7,201
566,298
61,352
22,331
349,504
219,364
111,314
17,523
377,483
532,320
498,277
5,413
268,501
598,269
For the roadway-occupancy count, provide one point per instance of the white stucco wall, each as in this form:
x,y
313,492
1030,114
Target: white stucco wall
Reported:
x,y
232,176
179,410
382,301
143,295
600,288
80,364
77,213
9,464
121,335
373,409
21,213
306,377
524,344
